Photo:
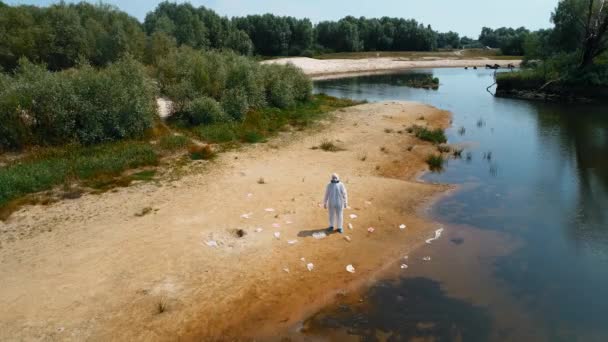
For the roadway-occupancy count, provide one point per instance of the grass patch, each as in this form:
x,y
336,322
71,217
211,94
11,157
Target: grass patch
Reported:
x,y
45,170
217,133
329,146
144,176
253,137
435,162
436,136
173,142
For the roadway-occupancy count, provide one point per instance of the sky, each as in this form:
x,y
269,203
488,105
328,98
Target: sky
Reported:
x,y
466,17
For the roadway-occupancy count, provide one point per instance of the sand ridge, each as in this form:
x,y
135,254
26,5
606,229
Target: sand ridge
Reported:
x,y
97,271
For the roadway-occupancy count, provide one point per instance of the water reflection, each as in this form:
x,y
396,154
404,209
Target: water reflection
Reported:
x,y
536,171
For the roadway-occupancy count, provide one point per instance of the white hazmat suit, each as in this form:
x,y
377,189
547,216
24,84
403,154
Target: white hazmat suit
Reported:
x,y
336,199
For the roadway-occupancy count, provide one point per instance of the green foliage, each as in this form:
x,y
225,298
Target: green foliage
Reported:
x,y
82,105
435,162
204,110
43,172
61,35
238,83
436,136
510,41
173,142
217,133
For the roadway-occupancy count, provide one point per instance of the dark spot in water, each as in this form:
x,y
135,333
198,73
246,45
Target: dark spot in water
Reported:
x,y
457,241
413,308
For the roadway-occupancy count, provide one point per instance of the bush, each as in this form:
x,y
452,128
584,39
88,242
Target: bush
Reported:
x,y
204,110
435,162
81,105
235,103
238,83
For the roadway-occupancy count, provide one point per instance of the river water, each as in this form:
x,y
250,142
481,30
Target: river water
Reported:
x,y
524,255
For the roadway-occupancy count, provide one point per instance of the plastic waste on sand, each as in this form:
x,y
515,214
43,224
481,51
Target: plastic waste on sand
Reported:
x,y
406,257
286,270
350,268
292,242
437,235
347,238
211,243
276,225
277,235
310,266
303,259
403,266
427,258
246,216
257,230
402,226
350,226
269,210
370,229
319,235
352,216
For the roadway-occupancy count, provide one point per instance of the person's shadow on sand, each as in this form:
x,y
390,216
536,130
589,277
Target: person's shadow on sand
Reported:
x,y
309,233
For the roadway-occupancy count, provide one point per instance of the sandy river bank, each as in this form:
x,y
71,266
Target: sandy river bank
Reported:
x,y
327,68
91,269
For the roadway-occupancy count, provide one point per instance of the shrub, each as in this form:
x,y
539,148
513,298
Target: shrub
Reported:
x,y
204,110
81,105
435,162
235,103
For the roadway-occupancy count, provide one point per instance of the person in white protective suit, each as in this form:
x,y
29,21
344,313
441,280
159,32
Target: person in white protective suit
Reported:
x,y
336,199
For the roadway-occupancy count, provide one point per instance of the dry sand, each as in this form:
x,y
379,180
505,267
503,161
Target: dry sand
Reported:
x,y
90,269
318,68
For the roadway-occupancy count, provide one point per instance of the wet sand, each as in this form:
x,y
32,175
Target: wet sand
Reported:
x,y
335,68
90,268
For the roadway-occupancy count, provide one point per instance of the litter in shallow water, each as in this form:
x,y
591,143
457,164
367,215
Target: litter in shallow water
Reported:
x,y
437,235
350,269
427,258
319,235
403,266
310,266
406,257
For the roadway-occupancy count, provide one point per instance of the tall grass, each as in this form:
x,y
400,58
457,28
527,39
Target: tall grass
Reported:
x,y
47,170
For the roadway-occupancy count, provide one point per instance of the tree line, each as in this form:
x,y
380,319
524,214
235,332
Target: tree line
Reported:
x,y
62,35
